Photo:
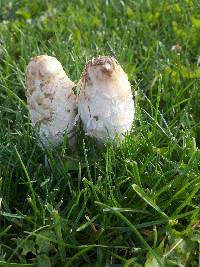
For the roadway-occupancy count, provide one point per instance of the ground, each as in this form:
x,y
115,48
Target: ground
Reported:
x,y
135,205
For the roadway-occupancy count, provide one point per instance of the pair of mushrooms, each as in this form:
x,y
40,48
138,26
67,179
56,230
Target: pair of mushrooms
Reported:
x,y
104,99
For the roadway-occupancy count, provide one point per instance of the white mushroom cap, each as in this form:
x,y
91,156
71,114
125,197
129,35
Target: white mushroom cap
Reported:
x,y
50,99
105,100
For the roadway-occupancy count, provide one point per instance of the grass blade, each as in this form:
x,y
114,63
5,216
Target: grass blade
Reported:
x,y
57,226
29,183
147,199
85,225
6,264
78,254
135,231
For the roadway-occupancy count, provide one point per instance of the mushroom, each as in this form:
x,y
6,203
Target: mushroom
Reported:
x,y
105,100
50,98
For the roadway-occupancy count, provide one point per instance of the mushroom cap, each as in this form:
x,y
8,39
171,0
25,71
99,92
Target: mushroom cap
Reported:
x,y
50,98
101,68
105,100
44,66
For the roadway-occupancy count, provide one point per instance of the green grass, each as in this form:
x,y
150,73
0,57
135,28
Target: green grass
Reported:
x,y
136,205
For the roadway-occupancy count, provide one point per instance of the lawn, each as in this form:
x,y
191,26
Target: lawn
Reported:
x,y
132,205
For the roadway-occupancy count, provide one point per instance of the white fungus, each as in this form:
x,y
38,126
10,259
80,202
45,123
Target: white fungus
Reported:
x,y
105,100
51,101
